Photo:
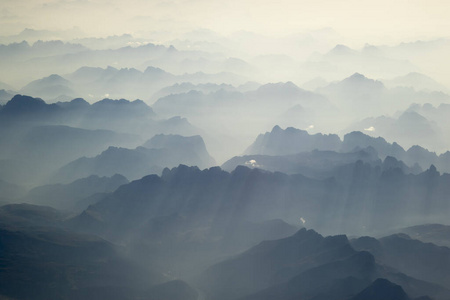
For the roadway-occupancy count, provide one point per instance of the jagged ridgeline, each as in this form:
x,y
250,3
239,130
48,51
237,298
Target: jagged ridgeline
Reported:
x,y
101,227
213,167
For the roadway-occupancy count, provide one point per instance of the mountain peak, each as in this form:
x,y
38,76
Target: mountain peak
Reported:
x,y
24,103
341,49
382,289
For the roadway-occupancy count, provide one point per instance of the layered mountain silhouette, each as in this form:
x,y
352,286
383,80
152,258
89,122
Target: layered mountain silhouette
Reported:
x,y
417,81
291,141
73,195
424,261
157,153
430,233
222,200
62,264
39,138
307,266
109,189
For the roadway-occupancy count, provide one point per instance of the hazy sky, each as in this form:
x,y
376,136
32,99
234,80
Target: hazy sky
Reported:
x,y
371,21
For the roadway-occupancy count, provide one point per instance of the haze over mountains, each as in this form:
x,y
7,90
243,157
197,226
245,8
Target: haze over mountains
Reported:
x,y
196,150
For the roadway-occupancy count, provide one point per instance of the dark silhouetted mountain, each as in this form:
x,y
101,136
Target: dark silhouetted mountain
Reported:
x,y
292,141
272,262
28,107
382,289
35,135
188,218
336,279
134,117
59,264
69,196
329,205
306,266
424,261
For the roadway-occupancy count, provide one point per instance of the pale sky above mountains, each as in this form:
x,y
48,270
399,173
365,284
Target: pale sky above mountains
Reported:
x,y
381,21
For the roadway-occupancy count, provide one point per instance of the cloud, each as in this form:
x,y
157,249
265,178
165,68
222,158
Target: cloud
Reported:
x,y
252,163
371,129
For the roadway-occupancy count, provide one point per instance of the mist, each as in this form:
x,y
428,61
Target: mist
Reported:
x,y
203,150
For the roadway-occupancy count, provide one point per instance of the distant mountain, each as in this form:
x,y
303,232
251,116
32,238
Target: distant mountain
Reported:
x,y
5,96
69,196
416,81
314,164
157,153
5,86
192,148
132,163
356,91
96,82
35,135
374,60
49,88
430,233
424,261
24,51
29,125
415,156
358,140
276,103
47,148
185,87
315,83
292,141
341,50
